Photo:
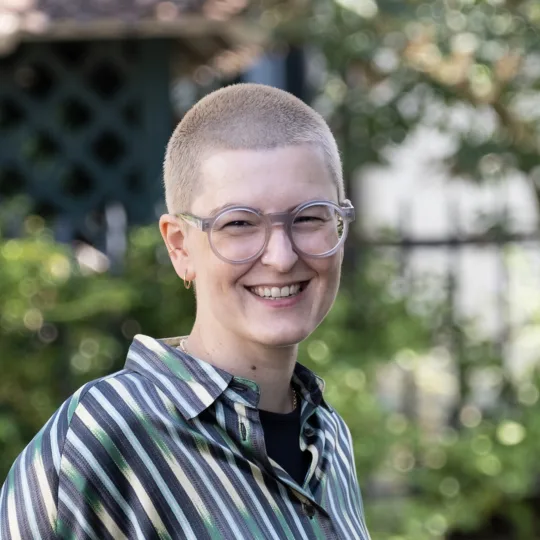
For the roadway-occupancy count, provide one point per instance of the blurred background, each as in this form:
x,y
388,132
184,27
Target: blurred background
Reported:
x,y
431,352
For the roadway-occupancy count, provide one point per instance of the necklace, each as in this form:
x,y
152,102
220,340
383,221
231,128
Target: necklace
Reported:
x,y
294,398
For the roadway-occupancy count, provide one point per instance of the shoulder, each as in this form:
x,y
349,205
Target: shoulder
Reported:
x,y
49,442
337,429
31,487
102,405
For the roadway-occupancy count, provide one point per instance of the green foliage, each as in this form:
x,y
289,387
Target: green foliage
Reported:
x,y
60,328
466,67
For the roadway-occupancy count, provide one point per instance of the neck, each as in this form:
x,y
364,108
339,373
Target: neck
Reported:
x,y
270,367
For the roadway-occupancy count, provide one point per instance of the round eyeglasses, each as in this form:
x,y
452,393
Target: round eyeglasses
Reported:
x,y
240,234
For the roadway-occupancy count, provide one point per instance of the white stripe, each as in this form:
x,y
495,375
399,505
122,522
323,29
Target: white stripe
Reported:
x,y
212,373
101,512
345,487
145,458
46,494
200,391
257,476
28,506
226,483
348,468
179,472
220,415
350,471
77,514
166,382
55,451
342,513
90,459
293,512
150,343
328,436
155,346
12,517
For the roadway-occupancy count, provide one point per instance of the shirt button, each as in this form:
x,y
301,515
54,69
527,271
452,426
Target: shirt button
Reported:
x,y
309,510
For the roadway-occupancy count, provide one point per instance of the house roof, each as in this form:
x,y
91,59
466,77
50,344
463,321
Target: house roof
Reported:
x,y
32,13
210,26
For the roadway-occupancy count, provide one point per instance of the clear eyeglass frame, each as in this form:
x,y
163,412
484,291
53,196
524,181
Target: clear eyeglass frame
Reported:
x,y
345,210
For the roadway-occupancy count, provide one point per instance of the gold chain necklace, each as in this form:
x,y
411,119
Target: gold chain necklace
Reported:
x,y
294,400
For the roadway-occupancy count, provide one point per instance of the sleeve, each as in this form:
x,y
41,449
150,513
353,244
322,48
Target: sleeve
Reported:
x,y
29,496
349,452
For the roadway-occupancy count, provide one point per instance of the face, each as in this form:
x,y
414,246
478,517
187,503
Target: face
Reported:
x,y
229,295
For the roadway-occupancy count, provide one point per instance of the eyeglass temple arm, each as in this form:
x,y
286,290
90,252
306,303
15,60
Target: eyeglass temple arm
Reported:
x,y
194,221
348,208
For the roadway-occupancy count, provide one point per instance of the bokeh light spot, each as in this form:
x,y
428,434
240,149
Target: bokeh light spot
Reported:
x,y
355,379
449,487
470,416
435,458
528,394
490,465
510,433
318,351
481,445
437,525
33,319
397,423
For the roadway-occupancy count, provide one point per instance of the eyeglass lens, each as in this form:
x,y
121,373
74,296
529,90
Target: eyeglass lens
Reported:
x,y
238,235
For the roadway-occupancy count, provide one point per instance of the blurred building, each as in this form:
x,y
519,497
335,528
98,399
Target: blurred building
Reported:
x,y
90,91
472,246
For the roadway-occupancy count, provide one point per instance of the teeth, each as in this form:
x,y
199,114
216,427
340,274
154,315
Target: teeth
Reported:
x,y
276,292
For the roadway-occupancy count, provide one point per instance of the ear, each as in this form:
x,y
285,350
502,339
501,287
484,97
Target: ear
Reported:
x,y
173,234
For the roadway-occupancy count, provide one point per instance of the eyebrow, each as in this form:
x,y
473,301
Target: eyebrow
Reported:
x,y
217,210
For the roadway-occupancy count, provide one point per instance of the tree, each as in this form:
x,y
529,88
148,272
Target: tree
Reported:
x,y
393,65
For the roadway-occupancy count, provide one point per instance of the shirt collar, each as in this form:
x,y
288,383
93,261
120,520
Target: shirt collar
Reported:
x,y
193,384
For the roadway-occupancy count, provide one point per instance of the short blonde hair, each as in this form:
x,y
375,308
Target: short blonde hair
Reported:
x,y
242,116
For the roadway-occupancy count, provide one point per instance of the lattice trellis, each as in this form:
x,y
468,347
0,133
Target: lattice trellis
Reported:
x,y
84,125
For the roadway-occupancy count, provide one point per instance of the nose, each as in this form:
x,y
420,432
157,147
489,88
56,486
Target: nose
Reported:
x,y
279,252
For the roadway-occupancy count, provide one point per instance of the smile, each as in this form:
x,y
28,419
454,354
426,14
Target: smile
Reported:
x,y
274,293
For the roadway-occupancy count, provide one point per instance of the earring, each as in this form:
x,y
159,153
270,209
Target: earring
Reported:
x,y
187,283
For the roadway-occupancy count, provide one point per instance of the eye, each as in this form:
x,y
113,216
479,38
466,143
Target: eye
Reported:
x,y
307,219
238,223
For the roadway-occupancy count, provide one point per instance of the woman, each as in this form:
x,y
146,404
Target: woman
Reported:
x,y
219,434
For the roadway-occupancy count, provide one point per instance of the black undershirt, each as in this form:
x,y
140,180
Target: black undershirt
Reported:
x,y
282,439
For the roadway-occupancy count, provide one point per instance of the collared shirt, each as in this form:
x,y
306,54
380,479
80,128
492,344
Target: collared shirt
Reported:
x,y
171,447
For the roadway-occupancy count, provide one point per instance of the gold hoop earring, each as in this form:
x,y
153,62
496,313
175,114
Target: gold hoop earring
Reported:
x,y
187,283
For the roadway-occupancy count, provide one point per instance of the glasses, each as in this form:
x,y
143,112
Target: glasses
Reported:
x,y
240,234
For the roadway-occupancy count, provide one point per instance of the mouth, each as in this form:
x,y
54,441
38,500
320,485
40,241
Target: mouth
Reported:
x,y
270,292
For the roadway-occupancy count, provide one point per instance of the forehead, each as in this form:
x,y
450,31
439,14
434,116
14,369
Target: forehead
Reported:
x,y
272,180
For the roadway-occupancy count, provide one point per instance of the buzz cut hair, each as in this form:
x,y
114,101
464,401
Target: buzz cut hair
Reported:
x,y
243,116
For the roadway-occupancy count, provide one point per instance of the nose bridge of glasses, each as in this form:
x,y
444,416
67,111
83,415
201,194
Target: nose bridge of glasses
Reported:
x,y
278,218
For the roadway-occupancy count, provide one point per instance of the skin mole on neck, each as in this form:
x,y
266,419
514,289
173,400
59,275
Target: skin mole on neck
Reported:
x,y
253,368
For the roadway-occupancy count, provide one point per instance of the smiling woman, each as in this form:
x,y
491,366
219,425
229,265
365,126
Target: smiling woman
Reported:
x,y
222,433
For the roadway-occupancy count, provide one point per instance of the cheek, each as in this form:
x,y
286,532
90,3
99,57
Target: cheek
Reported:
x,y
328,270
218,279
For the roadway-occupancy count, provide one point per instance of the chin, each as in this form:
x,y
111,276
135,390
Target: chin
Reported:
x,y
281,338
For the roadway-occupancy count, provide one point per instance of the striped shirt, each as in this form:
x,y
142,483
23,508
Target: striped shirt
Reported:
x,y
171,447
